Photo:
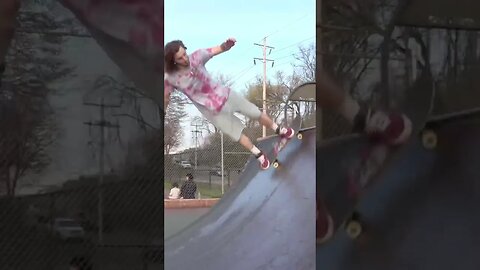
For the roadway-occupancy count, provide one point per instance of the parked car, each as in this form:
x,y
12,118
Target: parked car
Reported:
x,y
67,229
217,170
185,164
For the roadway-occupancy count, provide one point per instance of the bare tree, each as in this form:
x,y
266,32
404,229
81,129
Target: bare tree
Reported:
x,y
365,40
173,133
23,142
27,128
306,66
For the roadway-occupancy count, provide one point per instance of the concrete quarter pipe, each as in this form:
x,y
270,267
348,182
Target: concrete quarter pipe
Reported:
x,y
423,214
267,221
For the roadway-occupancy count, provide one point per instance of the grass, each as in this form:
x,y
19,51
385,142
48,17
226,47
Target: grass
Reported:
x,y
206,191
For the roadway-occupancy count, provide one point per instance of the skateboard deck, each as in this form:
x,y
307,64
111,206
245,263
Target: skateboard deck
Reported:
x,y
361,160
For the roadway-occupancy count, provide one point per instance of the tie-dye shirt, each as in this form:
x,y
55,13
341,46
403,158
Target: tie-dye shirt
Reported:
x,y
197,84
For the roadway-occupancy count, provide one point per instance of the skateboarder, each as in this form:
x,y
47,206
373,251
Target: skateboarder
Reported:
x,y
216,102
392,128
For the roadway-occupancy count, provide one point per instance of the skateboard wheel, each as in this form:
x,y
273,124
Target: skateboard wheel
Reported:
x,y
429,139
354,229
299,136
275,164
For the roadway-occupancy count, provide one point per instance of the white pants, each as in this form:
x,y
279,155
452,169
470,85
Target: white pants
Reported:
x,y
226,121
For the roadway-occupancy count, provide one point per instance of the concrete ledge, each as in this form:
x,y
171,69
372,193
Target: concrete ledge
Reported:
x,y
190,203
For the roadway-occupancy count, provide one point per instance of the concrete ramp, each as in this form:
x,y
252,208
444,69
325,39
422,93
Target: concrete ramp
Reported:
x,y
424,213
265,222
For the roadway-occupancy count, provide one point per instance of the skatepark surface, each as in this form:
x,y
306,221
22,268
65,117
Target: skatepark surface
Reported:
x,y
423,212
266,221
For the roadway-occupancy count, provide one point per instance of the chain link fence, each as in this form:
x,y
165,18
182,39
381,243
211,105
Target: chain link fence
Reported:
x,y
117,225
204,163
221,155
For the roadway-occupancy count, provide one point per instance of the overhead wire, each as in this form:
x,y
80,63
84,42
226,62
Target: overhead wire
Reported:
x,y
279,30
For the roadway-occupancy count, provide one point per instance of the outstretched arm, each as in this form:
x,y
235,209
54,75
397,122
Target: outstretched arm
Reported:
x,y
203,55
225,46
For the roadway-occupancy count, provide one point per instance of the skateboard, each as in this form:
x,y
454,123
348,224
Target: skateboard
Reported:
x,y
362,160
302,93
274,144
280,143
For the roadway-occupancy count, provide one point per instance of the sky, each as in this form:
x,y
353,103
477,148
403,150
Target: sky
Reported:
x,y
202,24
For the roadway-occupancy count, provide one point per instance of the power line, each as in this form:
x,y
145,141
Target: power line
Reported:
x,y
240,75
286,26
283,64
234,75
245,71
285,56
291,45
247,50
237,81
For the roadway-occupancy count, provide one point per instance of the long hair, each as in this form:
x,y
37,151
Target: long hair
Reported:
x,y
170,50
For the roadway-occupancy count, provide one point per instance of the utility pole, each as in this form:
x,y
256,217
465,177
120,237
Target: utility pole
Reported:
x,y
195,138
264,60
102,124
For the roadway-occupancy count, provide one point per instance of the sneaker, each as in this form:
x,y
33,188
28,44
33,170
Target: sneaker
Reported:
x,y
286,133
324,225
394,128
264,162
